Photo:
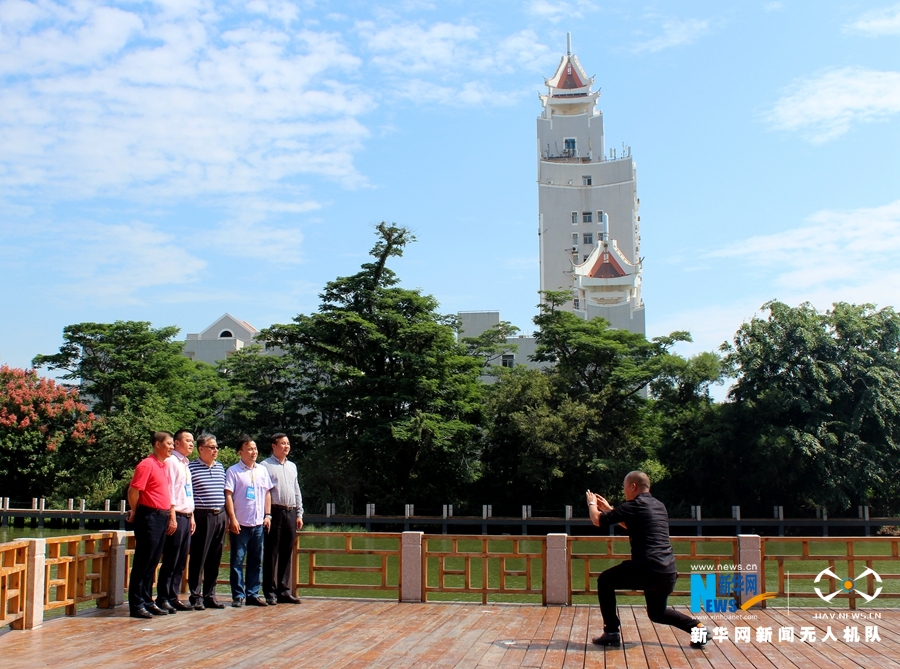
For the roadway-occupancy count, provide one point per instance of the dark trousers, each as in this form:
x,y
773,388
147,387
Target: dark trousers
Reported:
x,y
278,549
174,557
149,536
206,554
657,588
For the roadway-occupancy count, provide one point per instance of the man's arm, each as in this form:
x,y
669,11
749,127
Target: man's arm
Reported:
x,y
235,526
133,494
298,496
267,519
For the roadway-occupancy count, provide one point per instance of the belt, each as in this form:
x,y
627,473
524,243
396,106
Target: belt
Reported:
x,y
183,515
214,512
152,509
282,506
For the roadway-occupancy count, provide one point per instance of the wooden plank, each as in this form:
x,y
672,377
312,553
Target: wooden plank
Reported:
x,y
576,648
559,639
540,640
506,636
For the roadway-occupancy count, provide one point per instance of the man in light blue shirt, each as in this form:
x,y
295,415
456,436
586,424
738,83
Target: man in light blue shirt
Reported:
x,y
248,502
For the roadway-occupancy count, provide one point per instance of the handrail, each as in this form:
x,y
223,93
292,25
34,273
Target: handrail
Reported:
x,y
491,564
76,571
13,577
323,558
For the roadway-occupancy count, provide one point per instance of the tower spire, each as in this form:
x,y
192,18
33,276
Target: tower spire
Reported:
x,y
568,44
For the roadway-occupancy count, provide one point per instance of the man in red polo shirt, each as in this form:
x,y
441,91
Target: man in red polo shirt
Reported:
x,y
153,515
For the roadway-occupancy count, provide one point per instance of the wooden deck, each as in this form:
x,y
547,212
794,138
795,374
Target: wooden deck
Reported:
x,y
336,633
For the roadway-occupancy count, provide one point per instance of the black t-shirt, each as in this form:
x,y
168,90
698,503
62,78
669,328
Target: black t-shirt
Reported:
x,y
647,524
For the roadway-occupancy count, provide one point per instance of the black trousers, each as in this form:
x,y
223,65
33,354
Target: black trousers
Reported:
x,y
656,586
206,554
149,536
278,546
174,558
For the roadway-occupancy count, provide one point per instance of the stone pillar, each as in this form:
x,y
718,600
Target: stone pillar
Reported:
x,y
34,583
556,585
750,559
117,566
411,567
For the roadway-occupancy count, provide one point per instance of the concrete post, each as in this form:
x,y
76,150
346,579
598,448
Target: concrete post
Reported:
x,y
750,559
117,566
411,567
556,586
34,583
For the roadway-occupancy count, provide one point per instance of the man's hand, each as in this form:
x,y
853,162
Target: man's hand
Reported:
x,y
602,504
173,525
299,523
235,526
130,517
193,525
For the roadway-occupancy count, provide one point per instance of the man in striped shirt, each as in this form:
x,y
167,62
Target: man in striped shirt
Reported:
x,y
208,483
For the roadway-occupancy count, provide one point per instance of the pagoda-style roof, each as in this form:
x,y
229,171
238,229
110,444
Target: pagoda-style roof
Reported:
x,y
570,78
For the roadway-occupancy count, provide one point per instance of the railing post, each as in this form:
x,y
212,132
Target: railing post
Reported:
x,y
34,583
750,553
556,583
81,508
411,583
117,565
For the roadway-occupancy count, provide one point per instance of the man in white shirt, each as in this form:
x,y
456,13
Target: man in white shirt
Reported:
x,y
287,519
178,544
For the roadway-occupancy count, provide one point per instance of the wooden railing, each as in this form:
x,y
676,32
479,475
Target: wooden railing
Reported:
x,y
846,558
76,571
325,558
483,565
13,577
588,556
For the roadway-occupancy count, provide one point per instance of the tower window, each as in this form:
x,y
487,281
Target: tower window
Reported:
x,y
570,147
508,360
574,218
574,239
225,334
586,217
588,237
586,180
577,303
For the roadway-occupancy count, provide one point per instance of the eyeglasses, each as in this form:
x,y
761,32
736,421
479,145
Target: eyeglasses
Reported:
x,y
212,448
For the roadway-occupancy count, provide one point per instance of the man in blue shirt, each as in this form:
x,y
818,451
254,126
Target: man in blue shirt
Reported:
x,y
208,483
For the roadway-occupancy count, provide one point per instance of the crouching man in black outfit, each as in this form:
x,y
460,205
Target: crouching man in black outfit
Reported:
x,y
652,564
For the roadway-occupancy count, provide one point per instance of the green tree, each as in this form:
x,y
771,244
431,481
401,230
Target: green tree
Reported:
x,y
38,419
114,361
491,345
584,421
392,400
817,399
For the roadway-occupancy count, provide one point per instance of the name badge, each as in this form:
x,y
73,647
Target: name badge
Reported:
x,y
251,493
188,491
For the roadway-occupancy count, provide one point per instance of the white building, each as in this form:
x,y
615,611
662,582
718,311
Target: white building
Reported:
x,y
226,336
589,232
473,323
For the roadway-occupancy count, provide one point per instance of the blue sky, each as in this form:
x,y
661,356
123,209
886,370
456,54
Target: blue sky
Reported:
x,y
173,160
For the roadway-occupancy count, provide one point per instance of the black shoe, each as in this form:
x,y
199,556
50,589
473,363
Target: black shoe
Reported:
x,y
288,599
155,610
237,603
178,605
211,603
140,613
197,605
165,606
271,600
256,601
701,634
608,639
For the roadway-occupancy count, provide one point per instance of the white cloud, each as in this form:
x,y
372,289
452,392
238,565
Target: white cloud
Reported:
x,y
547,10
825,107
675,33
167,103
116,264
837,256
877,22
773,7
451,64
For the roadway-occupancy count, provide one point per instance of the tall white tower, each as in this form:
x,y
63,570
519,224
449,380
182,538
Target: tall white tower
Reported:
x,y
587,204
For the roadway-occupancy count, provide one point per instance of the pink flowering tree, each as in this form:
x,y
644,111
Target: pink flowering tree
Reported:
x,y
38,417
